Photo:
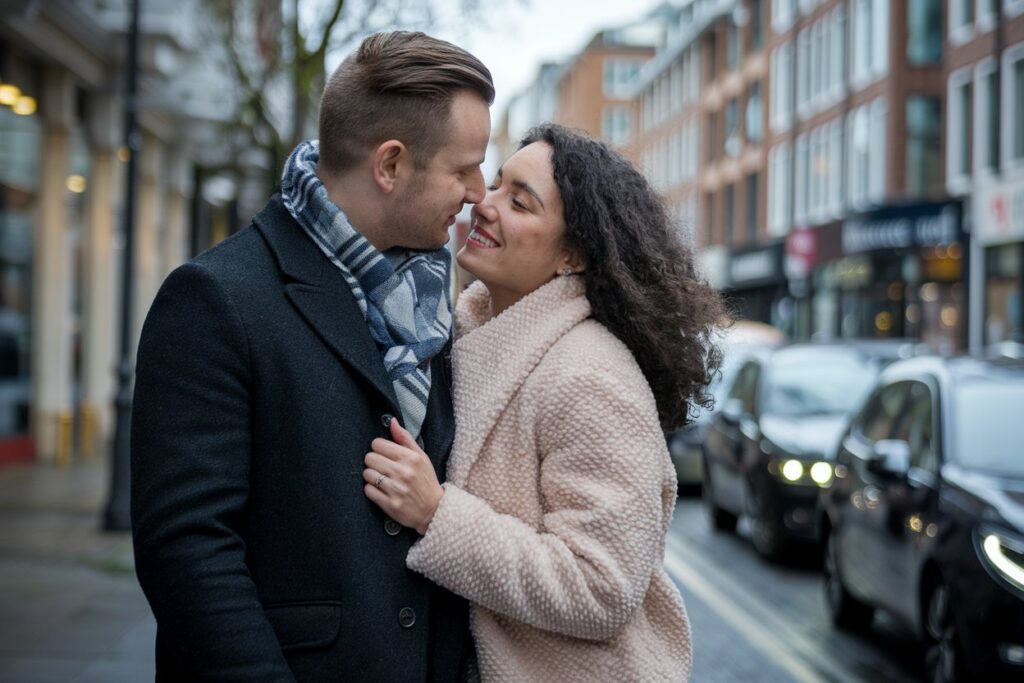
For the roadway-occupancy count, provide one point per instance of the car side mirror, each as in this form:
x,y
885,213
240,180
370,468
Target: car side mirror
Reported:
x,y
733,410
891,459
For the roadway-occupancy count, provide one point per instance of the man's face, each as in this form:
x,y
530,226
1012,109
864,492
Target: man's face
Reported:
x,y
425,209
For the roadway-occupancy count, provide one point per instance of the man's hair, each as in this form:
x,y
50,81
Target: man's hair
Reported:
x,y
397,85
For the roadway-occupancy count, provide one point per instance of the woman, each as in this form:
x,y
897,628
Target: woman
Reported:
x,y
587,325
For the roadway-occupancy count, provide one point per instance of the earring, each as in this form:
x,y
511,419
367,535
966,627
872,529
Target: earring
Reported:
x,y
567,271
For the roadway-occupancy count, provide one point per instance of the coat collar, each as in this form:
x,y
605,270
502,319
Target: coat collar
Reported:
x,y
492,357
319,292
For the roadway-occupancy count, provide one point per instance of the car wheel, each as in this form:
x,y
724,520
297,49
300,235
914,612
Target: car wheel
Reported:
x,y
942,659
720,518
847,612
766,533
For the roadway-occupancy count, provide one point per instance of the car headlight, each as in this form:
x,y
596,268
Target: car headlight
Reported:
x,y
1005,555
793,471
821,473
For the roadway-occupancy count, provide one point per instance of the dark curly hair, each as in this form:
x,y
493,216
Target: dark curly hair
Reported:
x,y
640,277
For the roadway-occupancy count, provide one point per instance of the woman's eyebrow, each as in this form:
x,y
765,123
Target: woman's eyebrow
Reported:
x,y
522,185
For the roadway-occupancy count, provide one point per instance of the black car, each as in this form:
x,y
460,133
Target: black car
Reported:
x,y
925,517
686,445
765,451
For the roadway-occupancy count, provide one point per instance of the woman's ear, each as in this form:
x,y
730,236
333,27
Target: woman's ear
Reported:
x,y
574,260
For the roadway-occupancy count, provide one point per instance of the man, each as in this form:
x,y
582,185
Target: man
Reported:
x,y
268,365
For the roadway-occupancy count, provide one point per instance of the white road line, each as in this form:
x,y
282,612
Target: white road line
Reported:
x,y
759,626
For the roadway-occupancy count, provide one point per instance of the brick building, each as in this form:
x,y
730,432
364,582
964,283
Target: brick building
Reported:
x,y
984,77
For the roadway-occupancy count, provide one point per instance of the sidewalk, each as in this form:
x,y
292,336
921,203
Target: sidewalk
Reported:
x,y
70,607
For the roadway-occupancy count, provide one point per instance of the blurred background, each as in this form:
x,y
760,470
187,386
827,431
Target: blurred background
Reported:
x,y
844,170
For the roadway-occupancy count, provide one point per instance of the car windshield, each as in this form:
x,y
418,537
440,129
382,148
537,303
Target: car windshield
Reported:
x,y
817,382
989,430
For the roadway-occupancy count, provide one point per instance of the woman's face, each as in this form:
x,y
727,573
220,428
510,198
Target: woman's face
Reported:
x,y
516,242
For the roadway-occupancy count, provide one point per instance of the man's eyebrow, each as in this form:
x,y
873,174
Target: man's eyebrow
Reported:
x,y
526,186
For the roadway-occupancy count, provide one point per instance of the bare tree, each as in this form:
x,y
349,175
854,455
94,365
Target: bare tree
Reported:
x,y
278,52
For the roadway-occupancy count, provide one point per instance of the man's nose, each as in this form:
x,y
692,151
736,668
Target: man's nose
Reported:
x,y
475,188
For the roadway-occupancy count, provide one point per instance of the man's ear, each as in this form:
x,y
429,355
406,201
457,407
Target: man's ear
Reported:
x,y
386,165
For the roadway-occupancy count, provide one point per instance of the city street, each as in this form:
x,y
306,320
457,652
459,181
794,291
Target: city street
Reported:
x,y
755,621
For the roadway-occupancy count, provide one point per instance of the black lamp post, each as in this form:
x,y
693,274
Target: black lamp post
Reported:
x,y
118,513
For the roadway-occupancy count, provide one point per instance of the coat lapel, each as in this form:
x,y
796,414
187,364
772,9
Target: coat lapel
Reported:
x,y
492,358
323,298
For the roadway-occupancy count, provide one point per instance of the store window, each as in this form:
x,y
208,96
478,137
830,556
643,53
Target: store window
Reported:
x,y
20,147
1004,309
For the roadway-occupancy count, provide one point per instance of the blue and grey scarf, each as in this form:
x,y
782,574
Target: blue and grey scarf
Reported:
x,y
403,294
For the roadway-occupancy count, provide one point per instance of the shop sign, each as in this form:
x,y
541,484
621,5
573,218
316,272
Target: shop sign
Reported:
x,y
999,212
801,253
903,227
756,267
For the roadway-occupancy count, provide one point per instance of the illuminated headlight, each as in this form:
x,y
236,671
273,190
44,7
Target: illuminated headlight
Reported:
x,y
821,473
792,470
1005,558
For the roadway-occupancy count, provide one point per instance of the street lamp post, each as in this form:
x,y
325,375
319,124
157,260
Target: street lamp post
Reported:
x,y
118,513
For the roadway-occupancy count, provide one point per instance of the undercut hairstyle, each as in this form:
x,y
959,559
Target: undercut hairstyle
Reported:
x,y
641,279
397,85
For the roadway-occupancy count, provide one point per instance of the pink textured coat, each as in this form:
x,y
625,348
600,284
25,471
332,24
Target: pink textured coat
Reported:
x,y
559,495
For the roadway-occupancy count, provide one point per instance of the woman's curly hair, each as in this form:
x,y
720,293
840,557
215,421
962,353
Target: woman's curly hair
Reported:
x,y
640,277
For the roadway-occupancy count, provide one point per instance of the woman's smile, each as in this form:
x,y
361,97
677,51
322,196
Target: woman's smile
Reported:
x,y
481,239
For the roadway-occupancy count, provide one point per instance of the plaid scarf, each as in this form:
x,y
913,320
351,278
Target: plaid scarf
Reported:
x,y
403,294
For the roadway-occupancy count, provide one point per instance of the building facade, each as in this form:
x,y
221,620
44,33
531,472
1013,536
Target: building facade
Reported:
x,y
62,166
984,136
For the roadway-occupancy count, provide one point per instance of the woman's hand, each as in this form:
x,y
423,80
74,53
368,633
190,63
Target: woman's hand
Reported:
x,y
400,479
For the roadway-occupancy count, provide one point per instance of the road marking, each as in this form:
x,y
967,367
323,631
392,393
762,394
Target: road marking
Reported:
x,y
760,627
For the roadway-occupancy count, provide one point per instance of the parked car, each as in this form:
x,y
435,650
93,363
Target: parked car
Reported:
x,y
925,518
741,341
765,451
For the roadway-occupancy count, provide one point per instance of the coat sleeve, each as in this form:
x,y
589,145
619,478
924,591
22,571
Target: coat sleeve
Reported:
x,y
190,460
586,570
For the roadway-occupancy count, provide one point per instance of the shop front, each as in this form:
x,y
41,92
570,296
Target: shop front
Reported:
x,y
901,275
21,136
999,226
757,287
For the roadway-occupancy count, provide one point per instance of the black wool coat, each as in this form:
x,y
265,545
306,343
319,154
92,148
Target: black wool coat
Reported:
x,y
258,392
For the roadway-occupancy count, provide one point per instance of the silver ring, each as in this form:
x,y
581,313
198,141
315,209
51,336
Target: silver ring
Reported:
x,y
379,480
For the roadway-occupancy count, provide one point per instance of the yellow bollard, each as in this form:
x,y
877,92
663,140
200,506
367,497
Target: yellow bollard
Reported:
x,y
65,425
88,430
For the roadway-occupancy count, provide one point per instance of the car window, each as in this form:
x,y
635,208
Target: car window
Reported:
x,y
877,420
915,427
745,386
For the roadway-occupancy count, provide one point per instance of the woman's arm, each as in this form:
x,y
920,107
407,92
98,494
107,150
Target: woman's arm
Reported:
x,y
586,571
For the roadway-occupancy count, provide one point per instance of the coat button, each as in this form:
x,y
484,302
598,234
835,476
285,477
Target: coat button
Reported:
x,y
406,617
386,419
391,527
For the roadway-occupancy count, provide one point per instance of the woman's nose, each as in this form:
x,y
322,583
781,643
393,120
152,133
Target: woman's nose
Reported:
x,y
484,209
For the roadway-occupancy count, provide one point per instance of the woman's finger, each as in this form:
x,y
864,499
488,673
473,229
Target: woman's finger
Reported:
x,y
381,463
391,450
403,437
376,496
374,477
